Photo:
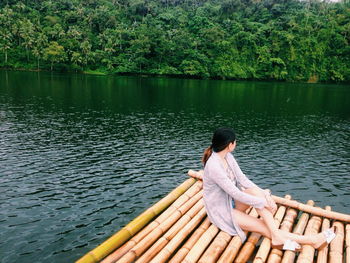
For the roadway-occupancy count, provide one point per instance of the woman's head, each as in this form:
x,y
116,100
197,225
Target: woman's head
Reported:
x,y
221,140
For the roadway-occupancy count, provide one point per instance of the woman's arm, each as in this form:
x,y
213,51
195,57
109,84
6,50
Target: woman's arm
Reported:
x,y
246,183
217,175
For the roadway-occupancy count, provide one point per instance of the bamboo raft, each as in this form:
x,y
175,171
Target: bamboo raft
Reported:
x,y
176,229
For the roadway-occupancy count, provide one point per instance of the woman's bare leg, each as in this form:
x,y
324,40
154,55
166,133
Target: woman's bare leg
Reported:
x,y
268,226
315,240
241,206
250,223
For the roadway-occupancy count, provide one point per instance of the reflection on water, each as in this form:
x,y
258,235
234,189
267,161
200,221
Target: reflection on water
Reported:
x,y
81,156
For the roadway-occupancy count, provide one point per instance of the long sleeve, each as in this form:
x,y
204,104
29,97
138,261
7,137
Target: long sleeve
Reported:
x,y
218,176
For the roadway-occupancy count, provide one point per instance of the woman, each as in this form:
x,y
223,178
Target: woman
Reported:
x,y
228,193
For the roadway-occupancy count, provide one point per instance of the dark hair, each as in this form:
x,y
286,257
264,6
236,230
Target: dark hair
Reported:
x,y
221,139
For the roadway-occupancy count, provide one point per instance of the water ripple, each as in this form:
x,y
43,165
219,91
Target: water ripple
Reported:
x,y
74,171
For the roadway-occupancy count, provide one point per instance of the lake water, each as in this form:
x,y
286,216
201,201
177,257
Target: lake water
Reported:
x,y
80,156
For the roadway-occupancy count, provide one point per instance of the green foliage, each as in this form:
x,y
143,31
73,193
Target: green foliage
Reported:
x,y
54,53
229,39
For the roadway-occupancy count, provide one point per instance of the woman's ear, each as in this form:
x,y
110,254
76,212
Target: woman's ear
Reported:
x,y
233,145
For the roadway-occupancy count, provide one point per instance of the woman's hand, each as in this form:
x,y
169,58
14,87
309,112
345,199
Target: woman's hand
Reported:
x,y
271,204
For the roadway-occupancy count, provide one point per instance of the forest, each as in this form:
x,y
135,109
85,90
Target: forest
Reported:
x,y
286,40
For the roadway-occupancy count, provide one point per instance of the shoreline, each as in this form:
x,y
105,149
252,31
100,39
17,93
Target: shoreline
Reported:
x,y
101,73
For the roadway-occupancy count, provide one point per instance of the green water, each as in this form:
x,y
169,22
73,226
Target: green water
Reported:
x,y
80,156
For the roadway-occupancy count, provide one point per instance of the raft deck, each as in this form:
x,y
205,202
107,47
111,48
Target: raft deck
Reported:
x,y
176,229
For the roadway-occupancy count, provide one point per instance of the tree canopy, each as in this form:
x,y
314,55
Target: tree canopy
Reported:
x,y
229,39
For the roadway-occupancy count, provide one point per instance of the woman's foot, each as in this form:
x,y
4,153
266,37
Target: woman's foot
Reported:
x,y
278,239
320,240
281,241
276,243
287,245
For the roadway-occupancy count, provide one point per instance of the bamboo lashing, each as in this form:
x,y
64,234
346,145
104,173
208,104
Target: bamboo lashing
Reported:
x,y
347,243
163,241
146,242
289,256
308,252
336,247
202,243
135,225
183,251
322,255
194,189
235,244
265,245
166,252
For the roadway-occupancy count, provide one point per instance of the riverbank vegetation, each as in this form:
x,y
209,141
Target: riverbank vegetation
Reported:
x,y
229,39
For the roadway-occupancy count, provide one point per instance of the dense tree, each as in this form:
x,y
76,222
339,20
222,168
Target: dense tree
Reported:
x,y
290,40
6,35
40,42
27,33
54,53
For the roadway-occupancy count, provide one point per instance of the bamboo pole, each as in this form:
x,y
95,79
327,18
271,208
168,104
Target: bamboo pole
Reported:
x,y
347,243
275,256
248,248
196,174
146,242
265,246
312,210
164,240
336,246
134,226
322,254
121,251
169,249
201,244
183,251
308,252
289,256
215,249
235,244
231,250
